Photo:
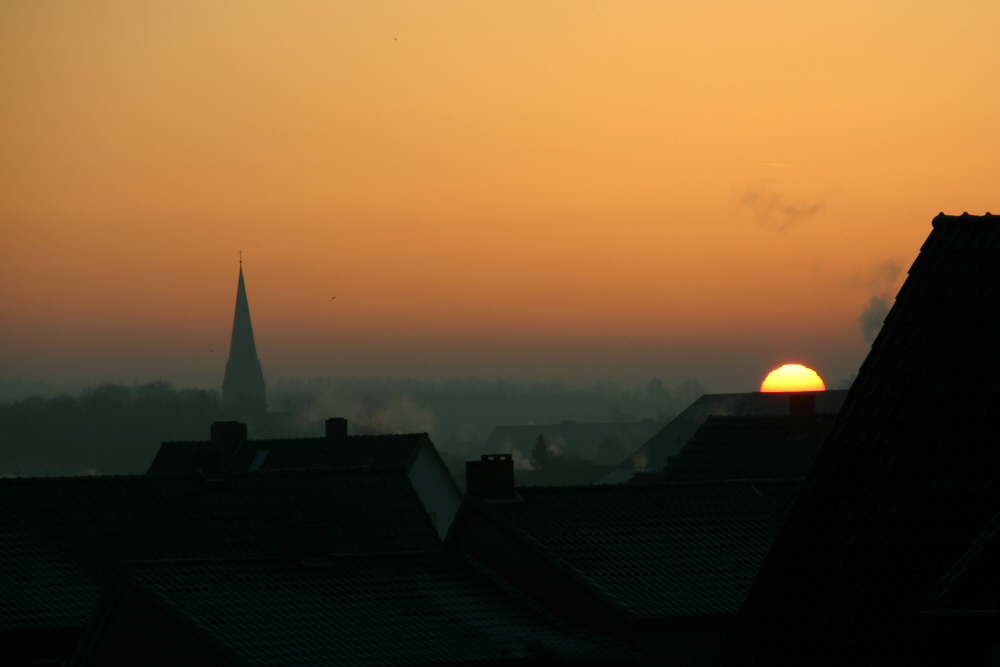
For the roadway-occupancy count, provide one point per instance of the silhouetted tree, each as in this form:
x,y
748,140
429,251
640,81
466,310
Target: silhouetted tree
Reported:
x,y
541,454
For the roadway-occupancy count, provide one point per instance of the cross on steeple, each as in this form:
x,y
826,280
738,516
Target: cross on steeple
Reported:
x,y
240,253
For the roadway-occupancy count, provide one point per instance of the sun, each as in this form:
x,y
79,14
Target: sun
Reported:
x,y
793,377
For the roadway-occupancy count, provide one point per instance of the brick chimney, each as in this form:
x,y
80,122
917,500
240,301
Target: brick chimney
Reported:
x,y
228,433
490,477
336,429
224,439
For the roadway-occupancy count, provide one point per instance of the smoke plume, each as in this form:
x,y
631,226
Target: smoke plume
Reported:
x,y
880,285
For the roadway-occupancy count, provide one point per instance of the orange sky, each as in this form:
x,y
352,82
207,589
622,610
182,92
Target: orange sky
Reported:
x,y
584,190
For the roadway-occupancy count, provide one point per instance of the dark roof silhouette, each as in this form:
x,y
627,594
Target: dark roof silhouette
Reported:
x,y
101,521
41,588
413,609
749,448
905,481
972,585
385,452
656,452
654,550
243,383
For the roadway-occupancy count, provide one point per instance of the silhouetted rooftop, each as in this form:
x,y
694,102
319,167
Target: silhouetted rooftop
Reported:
x,y
100,521
749,448
655,453
386,452
972,585
905,481
654,550
40,588
412,609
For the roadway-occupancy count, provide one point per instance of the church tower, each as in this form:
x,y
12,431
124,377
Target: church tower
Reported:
x,y
243,385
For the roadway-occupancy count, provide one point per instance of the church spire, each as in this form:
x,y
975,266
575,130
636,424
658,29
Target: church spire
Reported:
x,y
243,385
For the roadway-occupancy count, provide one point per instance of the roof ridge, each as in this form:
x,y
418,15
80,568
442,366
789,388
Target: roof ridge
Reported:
x,y
657,485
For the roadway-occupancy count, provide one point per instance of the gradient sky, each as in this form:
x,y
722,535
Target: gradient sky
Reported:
x,y
584,190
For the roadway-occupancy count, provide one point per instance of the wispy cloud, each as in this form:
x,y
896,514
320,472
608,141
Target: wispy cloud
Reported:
x,y
775,209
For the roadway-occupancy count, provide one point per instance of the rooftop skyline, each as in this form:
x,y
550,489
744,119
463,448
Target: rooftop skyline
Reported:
x,y
581,191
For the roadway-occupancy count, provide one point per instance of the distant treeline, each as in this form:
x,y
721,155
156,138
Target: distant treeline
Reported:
x,y
111,429
116,429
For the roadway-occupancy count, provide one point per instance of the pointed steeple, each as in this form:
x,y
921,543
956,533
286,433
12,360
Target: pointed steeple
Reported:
x,y
243,385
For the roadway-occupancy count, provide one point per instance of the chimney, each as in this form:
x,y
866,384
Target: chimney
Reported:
x,y
304,539
228,433
226,438
336,429
490,477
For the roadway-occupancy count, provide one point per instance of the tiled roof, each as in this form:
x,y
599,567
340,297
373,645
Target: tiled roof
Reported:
x,y
100,521
750,448
417,609
655,453
394,451
40,588
654,550
973,584
906,480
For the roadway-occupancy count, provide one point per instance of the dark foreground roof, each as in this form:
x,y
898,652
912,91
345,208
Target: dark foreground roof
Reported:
x,y
750,448
972,586
906,480
100,521
402,610
40,588
655,550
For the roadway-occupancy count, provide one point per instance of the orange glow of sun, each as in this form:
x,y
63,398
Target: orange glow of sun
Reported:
x,y
793,377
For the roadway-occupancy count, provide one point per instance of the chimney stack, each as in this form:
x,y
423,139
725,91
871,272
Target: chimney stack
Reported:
x,y
490,477
228,433
336,429
224,439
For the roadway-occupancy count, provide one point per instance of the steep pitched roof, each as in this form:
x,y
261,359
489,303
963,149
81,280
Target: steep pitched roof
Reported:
x,y
418,609
972,585
654,550
749,448
40,588
100,521
905,481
